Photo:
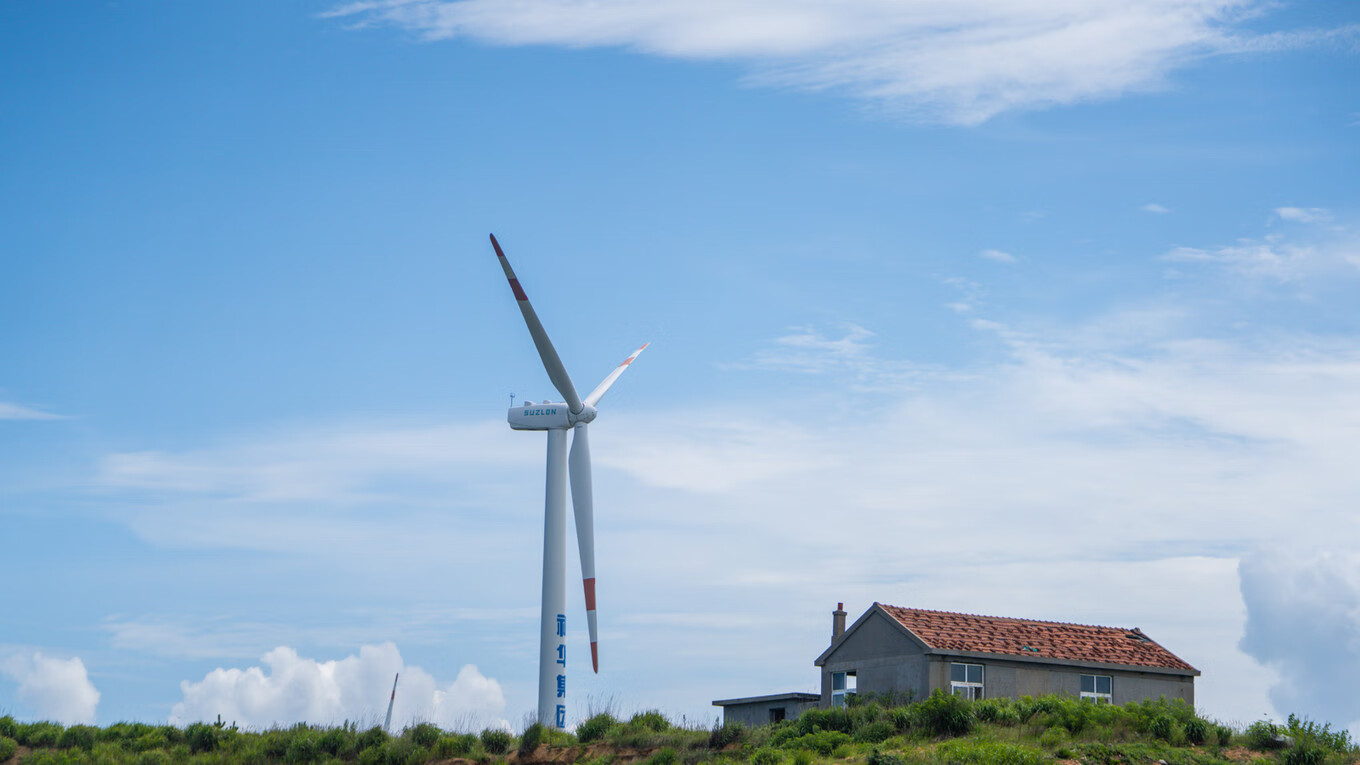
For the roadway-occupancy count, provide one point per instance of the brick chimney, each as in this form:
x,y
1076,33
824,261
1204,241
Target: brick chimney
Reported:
x,y
838,622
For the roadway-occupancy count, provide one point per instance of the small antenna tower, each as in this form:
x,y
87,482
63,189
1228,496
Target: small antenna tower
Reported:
x,y
387,725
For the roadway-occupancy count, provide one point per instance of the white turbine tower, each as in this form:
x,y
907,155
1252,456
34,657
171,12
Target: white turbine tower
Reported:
x,y
575,415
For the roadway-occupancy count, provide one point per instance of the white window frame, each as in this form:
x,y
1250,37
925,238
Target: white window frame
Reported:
x,y
848,682
967,688
1094,694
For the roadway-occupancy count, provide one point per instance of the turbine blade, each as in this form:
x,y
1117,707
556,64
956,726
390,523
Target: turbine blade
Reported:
x,y
603,387
556,371
583,505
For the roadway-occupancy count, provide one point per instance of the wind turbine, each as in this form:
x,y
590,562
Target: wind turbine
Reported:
x,y
573,414
387,724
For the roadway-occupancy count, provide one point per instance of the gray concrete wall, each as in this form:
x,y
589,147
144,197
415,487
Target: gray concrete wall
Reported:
x,y
759,713
1013,679
883,658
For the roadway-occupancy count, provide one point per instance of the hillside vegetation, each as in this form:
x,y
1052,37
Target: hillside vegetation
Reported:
x,y
936,731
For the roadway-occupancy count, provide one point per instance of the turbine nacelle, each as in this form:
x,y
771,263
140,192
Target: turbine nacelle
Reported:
x,y
547,416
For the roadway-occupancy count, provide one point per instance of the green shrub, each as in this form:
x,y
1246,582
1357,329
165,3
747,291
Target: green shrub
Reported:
x,y
986,752
651,720
274,743
39,734
9,727
497,741
1302,753
945,714
77,737
875,732
201,737
824,719
123,732
1163,726
766,756
594,728
338,742
371,739
530,739
802,757
426,734
996,711
1196,730
1261,735
663,756
1053,737
395,751
153,757
1308,731
7,747
152,740
722,736
304,747
458,745
822,742
1224,734
901,718
881,758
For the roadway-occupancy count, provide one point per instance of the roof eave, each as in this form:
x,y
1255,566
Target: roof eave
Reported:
x,y
1191,672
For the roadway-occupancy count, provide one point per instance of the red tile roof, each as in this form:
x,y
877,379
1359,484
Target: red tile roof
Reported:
x,y
946,631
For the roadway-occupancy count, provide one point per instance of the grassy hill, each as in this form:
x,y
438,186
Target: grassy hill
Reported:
x,y
937,731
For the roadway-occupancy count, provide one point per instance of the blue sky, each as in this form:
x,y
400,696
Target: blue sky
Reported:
x,y
1029,308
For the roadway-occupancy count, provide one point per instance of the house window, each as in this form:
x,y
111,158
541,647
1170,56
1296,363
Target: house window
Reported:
x,y
1097,688
842,685
777,714
966,680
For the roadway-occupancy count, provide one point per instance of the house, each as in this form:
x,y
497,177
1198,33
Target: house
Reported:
x,y
914,651
911,652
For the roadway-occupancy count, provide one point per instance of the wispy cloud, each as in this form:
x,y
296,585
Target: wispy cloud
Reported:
x,y
1153,207
998,256
12,411
1317,254
1303,214
959,61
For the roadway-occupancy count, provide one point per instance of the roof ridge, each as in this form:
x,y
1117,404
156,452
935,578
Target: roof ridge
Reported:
x,y
1011,618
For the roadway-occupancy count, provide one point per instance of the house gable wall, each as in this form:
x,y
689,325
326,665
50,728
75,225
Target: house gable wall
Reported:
x,y
882,655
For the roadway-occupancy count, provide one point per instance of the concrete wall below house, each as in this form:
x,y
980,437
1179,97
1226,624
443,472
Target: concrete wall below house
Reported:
x,y
763,710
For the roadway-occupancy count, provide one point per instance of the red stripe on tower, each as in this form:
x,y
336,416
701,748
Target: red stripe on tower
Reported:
x,y
590,593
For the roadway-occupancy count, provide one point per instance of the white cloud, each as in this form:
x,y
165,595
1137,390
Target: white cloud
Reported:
x,y
960,61
1319,255
289,688
12,411
1153,207
1303,214
335,465
1270,259
55,689
998,256
1304,619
